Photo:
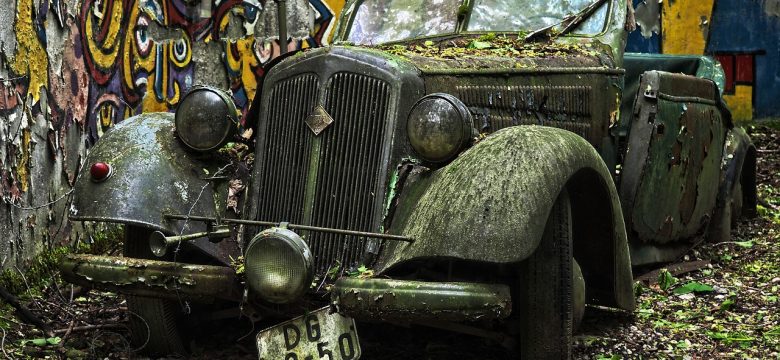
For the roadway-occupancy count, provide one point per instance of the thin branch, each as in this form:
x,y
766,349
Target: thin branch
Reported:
x,y
39,206
71,328
2,345
25,313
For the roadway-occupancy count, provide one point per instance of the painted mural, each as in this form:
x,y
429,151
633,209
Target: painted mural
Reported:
x,y
71,69
139,53
124,57
744,35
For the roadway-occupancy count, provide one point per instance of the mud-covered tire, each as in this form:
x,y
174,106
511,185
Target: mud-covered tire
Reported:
x,y
544,310
155,325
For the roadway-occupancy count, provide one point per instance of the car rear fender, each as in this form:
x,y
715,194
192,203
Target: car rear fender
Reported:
x,y
492,202
738,165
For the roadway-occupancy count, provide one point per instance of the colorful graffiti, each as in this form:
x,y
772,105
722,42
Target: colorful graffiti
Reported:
x,y
741,34
119,58
69,70
140,52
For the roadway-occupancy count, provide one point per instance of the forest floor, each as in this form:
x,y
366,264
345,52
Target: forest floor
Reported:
x,y
724,304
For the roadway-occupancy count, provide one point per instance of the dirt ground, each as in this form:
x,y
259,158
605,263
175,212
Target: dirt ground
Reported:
x,y
725,307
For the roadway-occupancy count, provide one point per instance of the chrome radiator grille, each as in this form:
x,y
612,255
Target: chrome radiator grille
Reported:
x,y
287,150
349,166
342,166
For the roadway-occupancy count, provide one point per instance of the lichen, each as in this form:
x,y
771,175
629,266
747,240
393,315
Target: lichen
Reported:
x,y
101,237
490,45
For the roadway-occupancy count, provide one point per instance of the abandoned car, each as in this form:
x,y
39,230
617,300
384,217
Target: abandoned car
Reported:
x,y
493,164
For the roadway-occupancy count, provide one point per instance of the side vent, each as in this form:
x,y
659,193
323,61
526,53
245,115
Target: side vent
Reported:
x,y
497,107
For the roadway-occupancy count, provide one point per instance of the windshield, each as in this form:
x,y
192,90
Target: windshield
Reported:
x,y
382,21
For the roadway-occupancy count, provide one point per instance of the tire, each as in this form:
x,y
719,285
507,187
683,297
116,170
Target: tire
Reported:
x,y
155,324
737,201
724,219
544,314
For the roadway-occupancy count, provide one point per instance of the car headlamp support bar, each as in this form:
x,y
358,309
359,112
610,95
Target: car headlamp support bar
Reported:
x,y
291,226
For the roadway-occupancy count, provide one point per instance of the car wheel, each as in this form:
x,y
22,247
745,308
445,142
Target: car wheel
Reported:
x,y
737,200
156,327
548,293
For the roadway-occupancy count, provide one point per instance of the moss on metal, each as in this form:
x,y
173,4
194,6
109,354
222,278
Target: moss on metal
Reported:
x,y
501,51
151,277
405,300
509,179
42,268
150,167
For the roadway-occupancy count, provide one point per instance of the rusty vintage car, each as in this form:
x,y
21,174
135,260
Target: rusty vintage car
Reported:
x,y
484,166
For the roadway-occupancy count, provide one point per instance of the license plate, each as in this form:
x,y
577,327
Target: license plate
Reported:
x,y
314,336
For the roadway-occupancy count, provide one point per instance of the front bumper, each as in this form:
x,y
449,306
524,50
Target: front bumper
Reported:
x,y
404,300
365,299
151,278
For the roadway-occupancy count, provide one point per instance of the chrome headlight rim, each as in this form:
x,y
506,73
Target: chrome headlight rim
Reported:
x,y
226,118
461,129
254,273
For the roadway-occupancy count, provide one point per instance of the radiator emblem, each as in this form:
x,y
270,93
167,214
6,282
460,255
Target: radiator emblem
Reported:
x,y
319,120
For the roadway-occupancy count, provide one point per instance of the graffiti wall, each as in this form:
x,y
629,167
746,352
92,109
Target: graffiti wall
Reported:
x,y
744,35
71,69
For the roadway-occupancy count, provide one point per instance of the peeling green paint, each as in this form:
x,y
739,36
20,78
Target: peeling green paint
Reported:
x,y
684,165
151,277
419,301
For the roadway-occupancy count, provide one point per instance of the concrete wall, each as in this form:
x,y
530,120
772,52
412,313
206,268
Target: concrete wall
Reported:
x,y
743,34
72,69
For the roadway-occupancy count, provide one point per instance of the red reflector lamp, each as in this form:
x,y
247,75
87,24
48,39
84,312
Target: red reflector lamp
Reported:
x,y
100,171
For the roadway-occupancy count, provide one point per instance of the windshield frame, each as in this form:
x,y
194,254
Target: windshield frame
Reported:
x,y
350,11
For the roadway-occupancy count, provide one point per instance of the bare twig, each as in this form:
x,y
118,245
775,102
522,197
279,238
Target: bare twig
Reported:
x,y
24,312
148,331
185,305
26,285
71,329
250,331
42,205
2,345
67,332
674,269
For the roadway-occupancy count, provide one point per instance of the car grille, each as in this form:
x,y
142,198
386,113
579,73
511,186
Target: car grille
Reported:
x,y
347,161
287,150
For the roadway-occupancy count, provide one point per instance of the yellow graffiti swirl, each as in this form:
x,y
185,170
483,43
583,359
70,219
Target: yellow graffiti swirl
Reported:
x,y
104,54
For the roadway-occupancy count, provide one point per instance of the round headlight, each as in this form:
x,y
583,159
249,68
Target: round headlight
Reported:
x,y
206,118
439,126
278,266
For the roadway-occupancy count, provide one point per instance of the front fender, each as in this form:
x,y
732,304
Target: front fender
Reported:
x,y
491,205
152,175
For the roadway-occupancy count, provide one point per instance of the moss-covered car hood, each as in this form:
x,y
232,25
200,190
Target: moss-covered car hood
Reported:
x,y
498,52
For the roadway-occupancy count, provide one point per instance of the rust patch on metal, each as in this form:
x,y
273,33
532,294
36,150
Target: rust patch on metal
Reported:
x,y
385,299
151,277
675,154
